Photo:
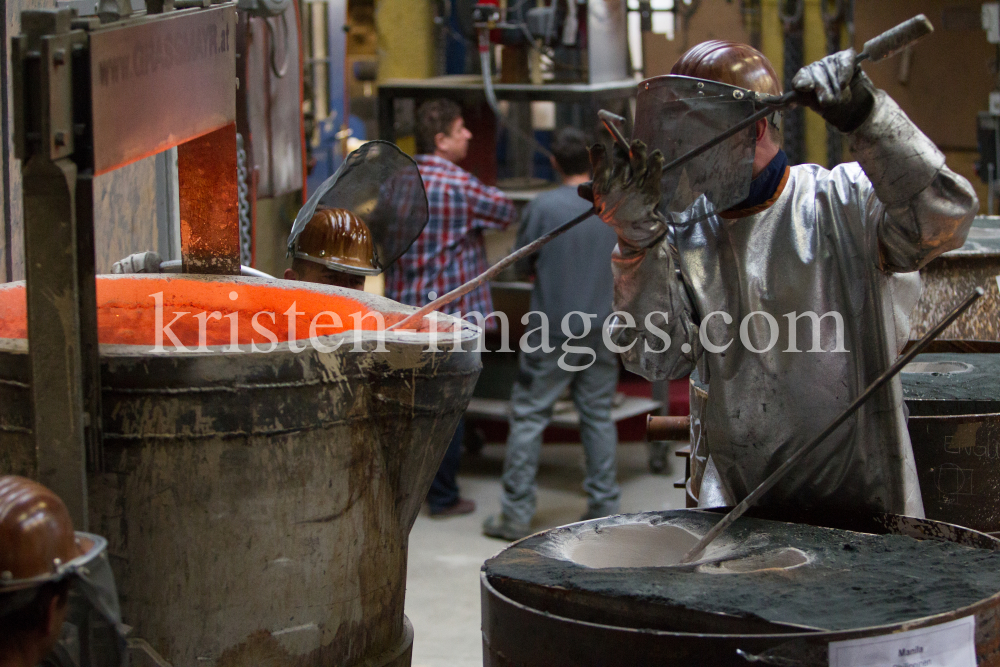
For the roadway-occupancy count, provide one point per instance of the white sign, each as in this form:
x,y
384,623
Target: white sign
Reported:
x,y
947,645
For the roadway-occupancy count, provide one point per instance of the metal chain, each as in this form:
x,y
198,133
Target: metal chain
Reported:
x,y
243,203
793,120
833,22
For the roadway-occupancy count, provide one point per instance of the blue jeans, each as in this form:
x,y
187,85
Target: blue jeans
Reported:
x,y
540,382
444,488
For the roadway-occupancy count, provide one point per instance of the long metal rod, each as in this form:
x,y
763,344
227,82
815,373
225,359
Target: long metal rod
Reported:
x,y
493,271
792,460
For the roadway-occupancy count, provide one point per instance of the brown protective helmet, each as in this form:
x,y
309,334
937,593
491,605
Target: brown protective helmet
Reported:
x,y
731,63
36,534
337,238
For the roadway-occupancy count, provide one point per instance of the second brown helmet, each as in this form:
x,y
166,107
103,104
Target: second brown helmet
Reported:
x,y
731,63
339,239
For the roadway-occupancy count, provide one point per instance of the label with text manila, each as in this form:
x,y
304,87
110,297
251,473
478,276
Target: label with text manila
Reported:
x,y
950,644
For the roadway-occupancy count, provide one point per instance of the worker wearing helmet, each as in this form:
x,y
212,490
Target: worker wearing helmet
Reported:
x,y
334,248
790,287
41,558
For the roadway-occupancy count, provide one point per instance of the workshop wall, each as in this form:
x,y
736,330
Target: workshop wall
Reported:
x,y
944,81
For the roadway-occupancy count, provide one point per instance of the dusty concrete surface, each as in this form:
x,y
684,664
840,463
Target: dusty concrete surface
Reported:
x,y
442,587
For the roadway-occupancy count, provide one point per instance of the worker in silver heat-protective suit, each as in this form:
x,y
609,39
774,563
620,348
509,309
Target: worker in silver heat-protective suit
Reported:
x,y
709,254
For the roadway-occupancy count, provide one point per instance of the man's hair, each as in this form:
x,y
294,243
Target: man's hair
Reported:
x,y
569,145
433,117
30,615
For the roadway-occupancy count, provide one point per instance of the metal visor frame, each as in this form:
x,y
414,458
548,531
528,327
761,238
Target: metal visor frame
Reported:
x,y
337,266
92,575
676,114
380,184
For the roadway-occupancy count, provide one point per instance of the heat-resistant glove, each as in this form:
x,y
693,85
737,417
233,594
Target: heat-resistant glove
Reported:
x,y
837,89
140,262
626,191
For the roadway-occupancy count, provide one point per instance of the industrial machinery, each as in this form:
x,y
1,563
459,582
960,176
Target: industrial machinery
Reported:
x,y
222,552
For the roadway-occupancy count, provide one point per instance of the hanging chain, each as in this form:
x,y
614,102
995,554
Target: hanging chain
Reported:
x,y
243,203
834,18
793,120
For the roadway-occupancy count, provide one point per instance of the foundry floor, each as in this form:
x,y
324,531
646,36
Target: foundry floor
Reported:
x,y
442,588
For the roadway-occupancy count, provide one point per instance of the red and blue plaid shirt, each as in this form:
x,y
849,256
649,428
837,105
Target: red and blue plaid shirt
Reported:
x,y
450,251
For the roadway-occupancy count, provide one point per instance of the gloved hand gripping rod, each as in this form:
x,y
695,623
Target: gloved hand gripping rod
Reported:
x,y
804,451
888,43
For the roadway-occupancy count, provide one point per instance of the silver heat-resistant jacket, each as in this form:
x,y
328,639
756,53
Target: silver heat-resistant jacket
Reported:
x,y
847,240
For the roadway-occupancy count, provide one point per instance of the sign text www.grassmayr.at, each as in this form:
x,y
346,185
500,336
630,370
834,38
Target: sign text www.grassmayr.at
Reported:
x,y
180,47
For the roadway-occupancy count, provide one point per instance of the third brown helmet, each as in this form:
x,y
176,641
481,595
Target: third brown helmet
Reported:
x,y
731,63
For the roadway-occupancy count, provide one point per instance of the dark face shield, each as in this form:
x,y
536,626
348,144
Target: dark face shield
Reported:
x,y
677,114
381,185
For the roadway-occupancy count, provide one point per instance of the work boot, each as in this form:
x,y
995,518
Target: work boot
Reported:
x,y
503,528
461,506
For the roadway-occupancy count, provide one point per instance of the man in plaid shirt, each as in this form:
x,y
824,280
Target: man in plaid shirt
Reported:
x,y
449,252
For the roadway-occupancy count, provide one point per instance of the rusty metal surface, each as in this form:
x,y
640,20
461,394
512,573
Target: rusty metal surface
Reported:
x,y
526,635
975,264
258,506
54,296
206,177
667,428
160,82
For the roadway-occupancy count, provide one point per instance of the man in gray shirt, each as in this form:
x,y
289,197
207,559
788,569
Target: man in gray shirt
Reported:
x,y
573,291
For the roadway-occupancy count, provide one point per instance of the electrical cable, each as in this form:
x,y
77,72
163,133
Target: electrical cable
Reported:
x,y
491,96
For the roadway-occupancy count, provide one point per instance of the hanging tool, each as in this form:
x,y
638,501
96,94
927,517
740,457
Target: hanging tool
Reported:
x,y
878,48
794,459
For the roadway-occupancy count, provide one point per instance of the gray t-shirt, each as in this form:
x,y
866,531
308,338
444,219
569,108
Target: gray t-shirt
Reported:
x,y
572,272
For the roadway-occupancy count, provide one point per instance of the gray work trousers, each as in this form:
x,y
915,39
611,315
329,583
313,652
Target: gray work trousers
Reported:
x,y
540,382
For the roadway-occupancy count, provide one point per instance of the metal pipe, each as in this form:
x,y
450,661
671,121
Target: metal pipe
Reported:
x,y
667,428
792,460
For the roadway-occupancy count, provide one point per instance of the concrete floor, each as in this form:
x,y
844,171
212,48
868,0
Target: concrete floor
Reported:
x,y
442,587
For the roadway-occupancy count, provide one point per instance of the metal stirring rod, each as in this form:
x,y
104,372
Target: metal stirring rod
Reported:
x,y
792,460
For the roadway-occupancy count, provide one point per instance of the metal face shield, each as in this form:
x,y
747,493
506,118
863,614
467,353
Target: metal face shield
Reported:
x,y
382,186
677,114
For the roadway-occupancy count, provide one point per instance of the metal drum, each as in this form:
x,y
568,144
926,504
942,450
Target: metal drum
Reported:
x,y
954,424
950,277
596,593
257,505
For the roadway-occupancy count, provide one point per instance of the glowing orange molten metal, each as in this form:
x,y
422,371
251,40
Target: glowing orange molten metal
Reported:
x,y
127,312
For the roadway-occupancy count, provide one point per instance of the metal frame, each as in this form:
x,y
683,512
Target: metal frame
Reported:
x,y
90,97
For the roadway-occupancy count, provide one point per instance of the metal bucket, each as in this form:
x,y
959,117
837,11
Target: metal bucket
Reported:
x,y
954,425
258,505
566,622
950,277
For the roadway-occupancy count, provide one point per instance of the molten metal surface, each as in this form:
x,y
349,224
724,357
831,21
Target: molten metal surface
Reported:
x,y
127,312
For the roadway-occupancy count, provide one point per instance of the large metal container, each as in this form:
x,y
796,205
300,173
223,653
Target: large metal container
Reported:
x,y
951,277
954,425
258,505
564,624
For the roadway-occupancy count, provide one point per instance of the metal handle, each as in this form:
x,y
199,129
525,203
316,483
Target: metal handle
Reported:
x,y
611,122
667,428
894,40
